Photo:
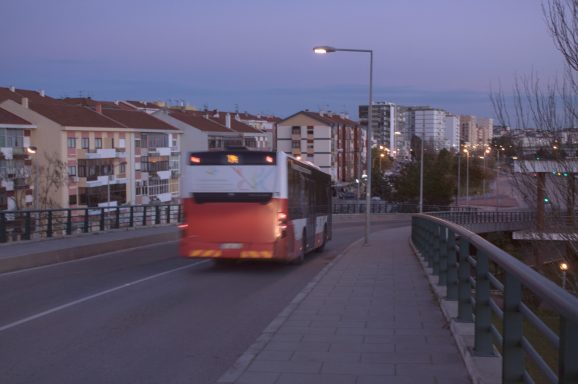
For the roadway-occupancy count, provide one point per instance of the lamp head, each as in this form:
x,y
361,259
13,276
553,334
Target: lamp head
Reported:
x,y
31,149
321,50
563,267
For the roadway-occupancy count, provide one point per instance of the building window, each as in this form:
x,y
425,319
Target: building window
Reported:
x,y
296,130
85,143
71,200
310,130
11,137
98,143
71,142
296,144
72,170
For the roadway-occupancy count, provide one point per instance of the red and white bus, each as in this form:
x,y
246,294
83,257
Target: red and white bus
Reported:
x,y
254,205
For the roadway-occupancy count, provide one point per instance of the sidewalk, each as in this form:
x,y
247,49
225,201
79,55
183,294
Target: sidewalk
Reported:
x,y
368,317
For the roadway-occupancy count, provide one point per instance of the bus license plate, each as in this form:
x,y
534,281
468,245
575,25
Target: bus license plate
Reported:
x,y
231,246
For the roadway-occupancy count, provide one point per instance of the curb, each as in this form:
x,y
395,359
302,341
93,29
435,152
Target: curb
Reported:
x,y
482,370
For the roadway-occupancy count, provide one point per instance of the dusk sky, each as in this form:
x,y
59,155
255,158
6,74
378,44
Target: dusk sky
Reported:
x,y
256,55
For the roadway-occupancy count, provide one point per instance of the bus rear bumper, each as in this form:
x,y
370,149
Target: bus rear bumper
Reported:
x,y
230,251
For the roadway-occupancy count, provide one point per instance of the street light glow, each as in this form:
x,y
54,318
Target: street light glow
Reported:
x,y
31,149
563,267
322,50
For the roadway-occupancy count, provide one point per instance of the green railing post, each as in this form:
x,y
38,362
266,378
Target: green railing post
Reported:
x,y
464,286
568,368
49,227
168,214
443,256
483,311
131,217
428,249
157,214
27,227
512,351
102,219
452,270
3,234
179,218
436,249
69,221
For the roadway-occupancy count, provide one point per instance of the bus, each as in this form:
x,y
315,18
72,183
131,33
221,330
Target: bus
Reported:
x,y
246,204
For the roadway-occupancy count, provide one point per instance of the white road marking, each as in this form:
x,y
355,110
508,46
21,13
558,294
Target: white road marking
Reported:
x,y
94,296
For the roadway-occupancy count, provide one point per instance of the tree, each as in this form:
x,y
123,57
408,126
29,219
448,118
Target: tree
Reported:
x,y
549,106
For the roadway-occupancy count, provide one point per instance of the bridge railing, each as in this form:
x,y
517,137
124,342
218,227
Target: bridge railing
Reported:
x,y
359,206
486,217
492,290
40,224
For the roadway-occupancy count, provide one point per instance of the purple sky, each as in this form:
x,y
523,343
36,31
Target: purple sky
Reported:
x,y
256,54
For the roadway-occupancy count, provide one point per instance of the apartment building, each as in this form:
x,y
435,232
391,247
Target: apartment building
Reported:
x,y
16,170
428,124
252,138
452,131
331,141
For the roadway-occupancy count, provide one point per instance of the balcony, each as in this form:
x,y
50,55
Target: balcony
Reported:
x,y
101,153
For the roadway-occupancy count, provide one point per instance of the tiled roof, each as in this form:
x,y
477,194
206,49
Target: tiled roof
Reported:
x,y
32,96
195,119
236,125
137,119
10,118
74,116
142,104
89,102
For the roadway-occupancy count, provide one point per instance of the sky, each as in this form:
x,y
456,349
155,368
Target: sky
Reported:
x,y
256,55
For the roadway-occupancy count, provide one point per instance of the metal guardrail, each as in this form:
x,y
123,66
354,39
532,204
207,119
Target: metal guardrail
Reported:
x,y
358,206
464,263
40,224
487,217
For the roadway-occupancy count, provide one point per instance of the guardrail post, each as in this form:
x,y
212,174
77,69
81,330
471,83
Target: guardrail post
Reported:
x,y
49,226
452,270
512,351
3,234
567,368
69,221
86,217
144,216
102,219
157,214
483,319
464,286
179,219
27,227
168,214
443,256
131,217
117,218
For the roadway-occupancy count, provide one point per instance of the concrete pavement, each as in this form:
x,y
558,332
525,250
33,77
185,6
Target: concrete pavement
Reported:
x,y
368,317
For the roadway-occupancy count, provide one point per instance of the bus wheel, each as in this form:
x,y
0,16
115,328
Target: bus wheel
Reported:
x,y
321,248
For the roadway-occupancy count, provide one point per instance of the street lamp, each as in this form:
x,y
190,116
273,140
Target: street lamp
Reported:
x,y
326,49
467,174
564,268
32,150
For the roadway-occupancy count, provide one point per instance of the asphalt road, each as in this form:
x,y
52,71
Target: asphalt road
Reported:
x,y
145,315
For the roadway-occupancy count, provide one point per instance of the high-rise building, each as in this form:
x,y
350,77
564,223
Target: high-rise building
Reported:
x,y
388,127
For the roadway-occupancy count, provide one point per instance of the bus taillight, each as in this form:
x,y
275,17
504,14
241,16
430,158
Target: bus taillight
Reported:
x,y
281,224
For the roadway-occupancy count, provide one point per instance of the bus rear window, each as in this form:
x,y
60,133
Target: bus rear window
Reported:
x,y
232,197
233,158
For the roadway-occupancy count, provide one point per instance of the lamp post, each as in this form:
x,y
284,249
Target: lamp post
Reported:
x,y
421,169
564,269
33,150
467,152
326,49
